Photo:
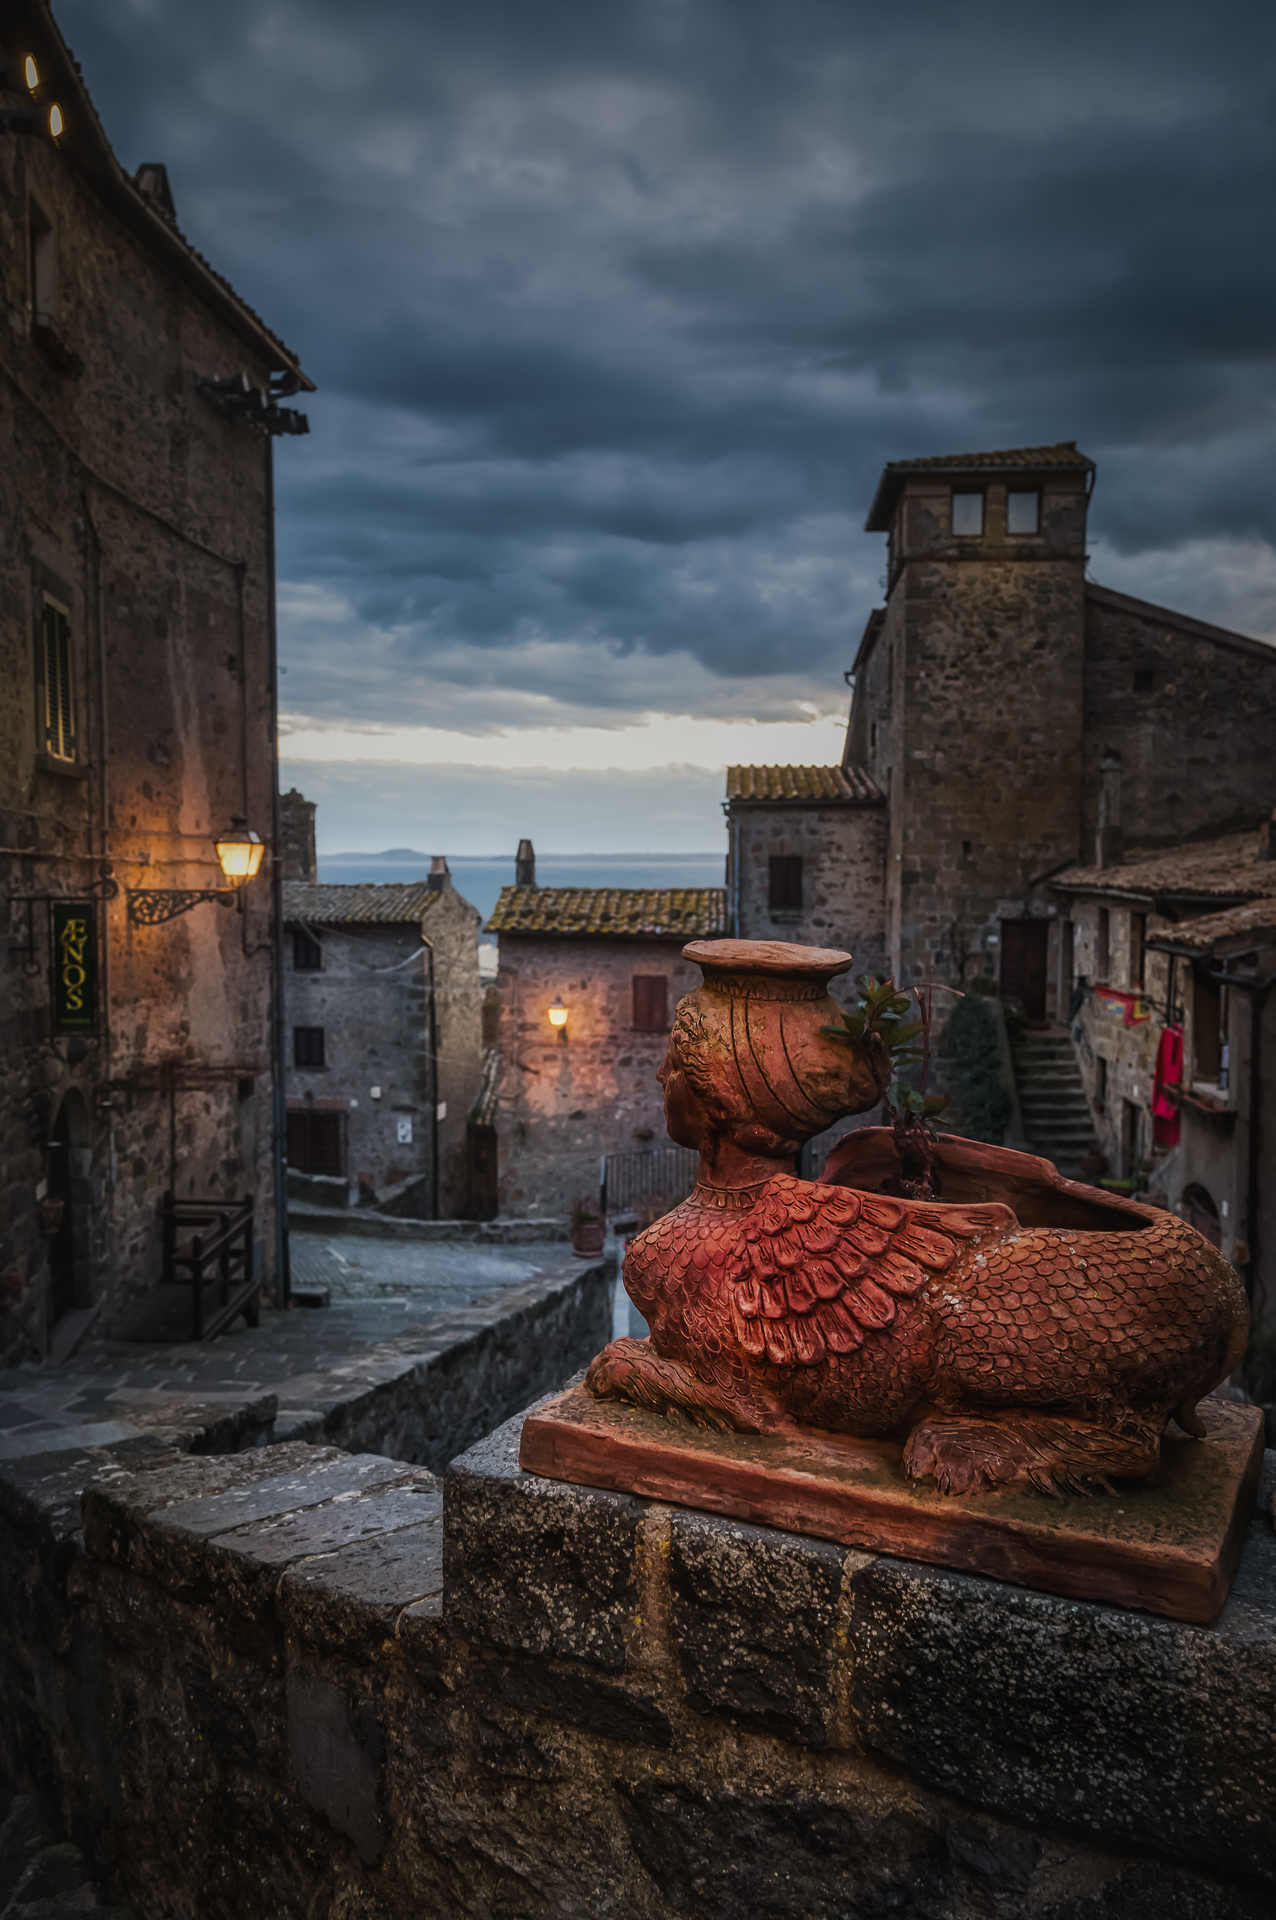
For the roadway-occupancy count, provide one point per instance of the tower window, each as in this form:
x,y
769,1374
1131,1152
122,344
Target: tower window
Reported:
x,y
968,513
40,240
307,954
1144,679
784,890
1023,512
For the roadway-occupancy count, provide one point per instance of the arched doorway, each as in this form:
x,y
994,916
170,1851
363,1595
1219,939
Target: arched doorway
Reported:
x,y
1200,1212
66,1206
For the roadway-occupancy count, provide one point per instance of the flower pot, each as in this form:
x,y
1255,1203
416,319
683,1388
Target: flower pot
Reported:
x,y
588,1237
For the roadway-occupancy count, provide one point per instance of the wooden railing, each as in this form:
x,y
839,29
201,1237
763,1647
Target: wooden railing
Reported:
x,y
219,1261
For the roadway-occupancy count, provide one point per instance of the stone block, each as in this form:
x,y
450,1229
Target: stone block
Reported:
x,y
1116,1725
336,1745
755,1615
350,1601
580,1699
533,1565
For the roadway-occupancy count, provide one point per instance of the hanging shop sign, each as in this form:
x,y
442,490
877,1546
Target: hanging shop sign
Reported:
x,y
74,966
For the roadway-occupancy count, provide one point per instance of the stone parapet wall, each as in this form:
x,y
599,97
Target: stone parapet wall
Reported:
x,y
295,1681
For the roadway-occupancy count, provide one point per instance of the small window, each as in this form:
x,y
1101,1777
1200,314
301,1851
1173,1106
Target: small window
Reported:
x,y
1207,1024
1144,679
1103,947
966,849
316,1142
58,694
968,513
785,883
1023,512
307,1047
40,235
307,954
651,1003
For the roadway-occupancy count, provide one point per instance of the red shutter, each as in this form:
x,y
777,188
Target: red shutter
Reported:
x,y
651,1003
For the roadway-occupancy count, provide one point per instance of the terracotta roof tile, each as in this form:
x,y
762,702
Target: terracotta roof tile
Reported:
x,y
677,913
1063,456
1256,917
1228,868
394,904
827,786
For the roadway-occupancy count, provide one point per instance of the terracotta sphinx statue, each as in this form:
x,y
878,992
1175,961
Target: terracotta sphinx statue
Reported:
x,y
1003,1351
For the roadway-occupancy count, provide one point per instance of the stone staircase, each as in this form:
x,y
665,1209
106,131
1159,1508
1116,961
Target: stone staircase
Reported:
x,y
1056,1114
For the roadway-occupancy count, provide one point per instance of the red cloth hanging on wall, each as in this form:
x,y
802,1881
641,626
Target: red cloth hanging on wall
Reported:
x,y
1169,1071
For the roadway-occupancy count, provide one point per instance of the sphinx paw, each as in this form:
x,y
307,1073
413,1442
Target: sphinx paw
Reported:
x,y
1045,1452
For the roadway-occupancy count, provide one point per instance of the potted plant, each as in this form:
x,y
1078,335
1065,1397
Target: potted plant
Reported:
x,y
588,1229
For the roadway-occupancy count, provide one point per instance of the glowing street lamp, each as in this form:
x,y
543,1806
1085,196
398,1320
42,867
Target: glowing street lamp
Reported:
x,y
558,1016
239,850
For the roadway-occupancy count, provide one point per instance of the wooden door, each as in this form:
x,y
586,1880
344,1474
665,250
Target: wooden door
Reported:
x,y
1024,948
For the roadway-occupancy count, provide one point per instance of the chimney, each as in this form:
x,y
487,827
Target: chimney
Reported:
x,y
525,865
439,875
297,824
1267,837
1109,848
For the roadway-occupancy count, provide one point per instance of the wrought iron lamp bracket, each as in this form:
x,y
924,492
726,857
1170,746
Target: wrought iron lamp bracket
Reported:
x,y
152,906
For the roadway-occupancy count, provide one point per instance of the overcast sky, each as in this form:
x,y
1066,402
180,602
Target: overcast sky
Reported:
x,y
616,312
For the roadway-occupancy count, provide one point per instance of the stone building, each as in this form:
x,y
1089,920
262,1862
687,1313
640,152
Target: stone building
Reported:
x,y
609,960
138,403
988,694
806,860
384,1015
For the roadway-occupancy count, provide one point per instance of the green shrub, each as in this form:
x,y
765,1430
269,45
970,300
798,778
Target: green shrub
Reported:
x,y
969,1046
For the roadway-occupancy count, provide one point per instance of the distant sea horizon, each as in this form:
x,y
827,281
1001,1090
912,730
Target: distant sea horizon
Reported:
x,y
480,877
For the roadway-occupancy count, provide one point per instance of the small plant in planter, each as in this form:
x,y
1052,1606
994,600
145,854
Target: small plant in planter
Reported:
x,y
588,1228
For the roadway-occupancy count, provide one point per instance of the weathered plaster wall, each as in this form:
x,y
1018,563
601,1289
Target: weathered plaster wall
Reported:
x,y
843,853
144,511
566,1102
297,1681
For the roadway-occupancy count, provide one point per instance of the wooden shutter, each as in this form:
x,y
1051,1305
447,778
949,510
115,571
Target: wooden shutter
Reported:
x,y
59,706
651,1003
784,892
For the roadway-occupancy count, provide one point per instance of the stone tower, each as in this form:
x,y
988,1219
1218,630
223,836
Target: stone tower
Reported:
x,y
968,707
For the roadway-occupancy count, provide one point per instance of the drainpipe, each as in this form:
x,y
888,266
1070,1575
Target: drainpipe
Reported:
x,y
432,1032
1258,991
283,1261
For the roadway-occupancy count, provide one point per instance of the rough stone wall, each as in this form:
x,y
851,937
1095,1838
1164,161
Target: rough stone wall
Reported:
x,y
565,1102
372,998
985,731
452,925
143,511
1195,746
297,836
843,852
1128,1054
295,1681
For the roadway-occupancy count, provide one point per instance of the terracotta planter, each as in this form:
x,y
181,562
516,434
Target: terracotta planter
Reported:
x,y
588,1237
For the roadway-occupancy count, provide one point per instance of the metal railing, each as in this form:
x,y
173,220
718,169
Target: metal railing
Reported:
x,y
650,1173
220,1261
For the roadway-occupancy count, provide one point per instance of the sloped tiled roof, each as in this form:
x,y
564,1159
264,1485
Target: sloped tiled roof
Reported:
x,y
87,149
1256,917
675,913
827,786
394,904
1229,868
1025,459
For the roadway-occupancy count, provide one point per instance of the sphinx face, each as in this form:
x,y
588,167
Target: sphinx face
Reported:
x,y
687,1121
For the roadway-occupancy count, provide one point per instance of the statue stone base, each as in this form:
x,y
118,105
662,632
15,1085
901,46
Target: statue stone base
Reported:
x,y
1168,1545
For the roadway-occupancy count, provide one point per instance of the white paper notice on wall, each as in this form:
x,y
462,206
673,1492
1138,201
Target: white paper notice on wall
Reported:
x,y
440,1112
403,1132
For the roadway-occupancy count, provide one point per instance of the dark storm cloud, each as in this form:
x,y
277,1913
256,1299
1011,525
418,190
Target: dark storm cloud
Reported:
x,y
617,311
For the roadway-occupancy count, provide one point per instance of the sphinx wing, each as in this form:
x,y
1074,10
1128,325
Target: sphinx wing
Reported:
x,y
816,1268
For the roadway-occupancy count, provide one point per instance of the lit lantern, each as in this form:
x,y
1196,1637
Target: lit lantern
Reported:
x,y
33,74
239,851
55,121
558,1013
